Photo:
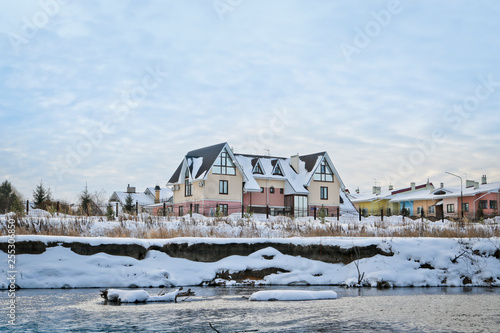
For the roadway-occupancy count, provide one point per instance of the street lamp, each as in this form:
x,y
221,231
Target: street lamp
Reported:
x,y
461,193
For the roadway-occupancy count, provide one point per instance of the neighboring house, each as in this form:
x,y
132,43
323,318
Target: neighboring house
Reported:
x,y
372,203
416,199
479,199
214,179
152,200
413,199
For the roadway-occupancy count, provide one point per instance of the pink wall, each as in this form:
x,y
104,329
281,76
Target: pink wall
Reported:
x,y
260,199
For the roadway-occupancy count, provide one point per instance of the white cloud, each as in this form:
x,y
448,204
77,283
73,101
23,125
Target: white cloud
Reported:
x,y
226,79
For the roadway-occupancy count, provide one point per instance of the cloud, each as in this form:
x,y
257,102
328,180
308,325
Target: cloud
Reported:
x,y
228,80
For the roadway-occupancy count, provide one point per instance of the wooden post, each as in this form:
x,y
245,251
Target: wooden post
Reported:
x,y
27,207
314,213
338,213
191,210
136,208
164,209
382,214
359,214
116,211
267,212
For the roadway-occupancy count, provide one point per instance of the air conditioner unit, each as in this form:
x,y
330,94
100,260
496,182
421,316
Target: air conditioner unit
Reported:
x,y
176,187
202,183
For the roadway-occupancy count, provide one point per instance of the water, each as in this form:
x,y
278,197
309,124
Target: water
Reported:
x,y
226,309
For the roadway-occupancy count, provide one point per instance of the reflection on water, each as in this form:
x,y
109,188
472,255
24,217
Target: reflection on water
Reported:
x,y
365,310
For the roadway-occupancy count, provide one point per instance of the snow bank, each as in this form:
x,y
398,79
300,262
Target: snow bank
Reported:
x,y
414,262
139,296
292,295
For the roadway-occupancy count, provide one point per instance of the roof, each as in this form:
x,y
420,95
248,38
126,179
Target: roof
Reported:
x,y
141,198
165,193
199,162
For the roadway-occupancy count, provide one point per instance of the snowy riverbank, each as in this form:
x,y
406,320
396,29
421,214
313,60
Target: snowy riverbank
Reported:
x,y
402,262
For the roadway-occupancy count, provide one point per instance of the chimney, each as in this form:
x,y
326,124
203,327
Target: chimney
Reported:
x,y
476,185
441,185
412,185
294,162
469,183
130,189
483,180
157,194
377,190
391,187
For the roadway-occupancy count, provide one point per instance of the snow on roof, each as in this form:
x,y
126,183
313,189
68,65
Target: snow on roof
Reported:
x,y
422,194
294,182
141,198
454,191
165,193
370,196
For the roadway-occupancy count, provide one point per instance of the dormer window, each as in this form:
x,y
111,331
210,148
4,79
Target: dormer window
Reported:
x,y
258,169
324,173
277,170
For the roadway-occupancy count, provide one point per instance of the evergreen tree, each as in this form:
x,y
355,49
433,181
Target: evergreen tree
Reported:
x,y
41,195
85,200
110,213
129,203
10,201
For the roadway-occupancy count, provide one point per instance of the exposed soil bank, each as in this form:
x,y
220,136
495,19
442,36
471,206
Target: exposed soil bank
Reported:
x,y
208,252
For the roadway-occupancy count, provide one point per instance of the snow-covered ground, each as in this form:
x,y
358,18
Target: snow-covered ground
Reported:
x,y
416,262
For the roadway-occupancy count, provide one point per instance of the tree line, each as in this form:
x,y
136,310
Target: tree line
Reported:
x,y
12,201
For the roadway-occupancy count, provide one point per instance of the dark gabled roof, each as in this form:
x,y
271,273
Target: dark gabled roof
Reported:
x,y
176,175
310,160
209,155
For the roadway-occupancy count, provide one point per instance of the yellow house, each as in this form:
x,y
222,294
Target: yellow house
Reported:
x,y
373,203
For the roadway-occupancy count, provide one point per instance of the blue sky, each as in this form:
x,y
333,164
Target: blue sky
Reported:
x,y
111,93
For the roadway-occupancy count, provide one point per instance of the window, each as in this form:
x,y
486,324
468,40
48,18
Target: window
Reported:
x,y
324,193
483,204
223,186
281,191
300,206
223,209
420,210
261,190
493,204
181,210
450,208
224,165
271,189
258,169
277,170
196,208
324,174
432,209
465,207
188,188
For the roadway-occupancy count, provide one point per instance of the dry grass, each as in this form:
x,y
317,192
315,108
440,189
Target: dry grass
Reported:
x,y
148,227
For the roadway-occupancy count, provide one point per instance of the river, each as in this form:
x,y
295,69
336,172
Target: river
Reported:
x,y
227,310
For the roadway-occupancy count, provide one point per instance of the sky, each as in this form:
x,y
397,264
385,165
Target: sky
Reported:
x,y
109,93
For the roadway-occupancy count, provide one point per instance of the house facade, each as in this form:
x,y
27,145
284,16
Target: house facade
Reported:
x,y
479,199
214,180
